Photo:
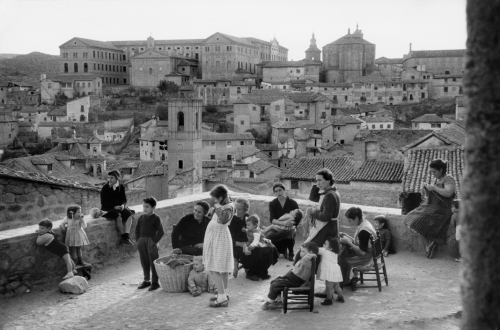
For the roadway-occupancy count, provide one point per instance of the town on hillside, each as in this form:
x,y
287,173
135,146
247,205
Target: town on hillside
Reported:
x,y
177,117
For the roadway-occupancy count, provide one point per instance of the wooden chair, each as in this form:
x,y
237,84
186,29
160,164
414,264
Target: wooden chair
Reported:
x,y
303,295
378,268
84,271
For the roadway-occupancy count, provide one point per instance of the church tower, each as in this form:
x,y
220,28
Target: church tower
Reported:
x,y
184,146
313,53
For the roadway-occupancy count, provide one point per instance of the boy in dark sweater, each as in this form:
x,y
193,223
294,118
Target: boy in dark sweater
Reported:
x,y
148,233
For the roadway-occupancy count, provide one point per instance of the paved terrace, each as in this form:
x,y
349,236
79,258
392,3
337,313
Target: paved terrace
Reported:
x,y
422,294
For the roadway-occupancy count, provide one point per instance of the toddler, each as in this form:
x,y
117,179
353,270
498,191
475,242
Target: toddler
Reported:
x,y
455,208
96,213
199,279
255,237
329,270
148,232
300,274
295,216
72,226
47,238
382,225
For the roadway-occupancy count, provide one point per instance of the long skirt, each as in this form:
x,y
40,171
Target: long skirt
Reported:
x,y
348,263
259,261
218,248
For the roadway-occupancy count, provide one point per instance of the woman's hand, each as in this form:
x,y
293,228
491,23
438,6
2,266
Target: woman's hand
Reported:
x,y
289,224
345,240
119,207
429,187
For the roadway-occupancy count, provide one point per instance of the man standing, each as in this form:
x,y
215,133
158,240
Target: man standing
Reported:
x,y
114,202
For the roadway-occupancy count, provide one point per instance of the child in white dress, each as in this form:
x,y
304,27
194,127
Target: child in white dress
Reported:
x,y
329,270
73,226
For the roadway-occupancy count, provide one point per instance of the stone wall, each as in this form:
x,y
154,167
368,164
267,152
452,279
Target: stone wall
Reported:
x,y
23,264
24,202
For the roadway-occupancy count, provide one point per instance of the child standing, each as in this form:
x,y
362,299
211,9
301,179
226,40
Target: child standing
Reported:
x,y
255,237
300,273
455,208
381,224
295,216
47,238
148,233
199,279
329,270
73,226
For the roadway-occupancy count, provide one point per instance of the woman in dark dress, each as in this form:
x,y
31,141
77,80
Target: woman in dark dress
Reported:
x,y
257,264
432,219
278,207
114,203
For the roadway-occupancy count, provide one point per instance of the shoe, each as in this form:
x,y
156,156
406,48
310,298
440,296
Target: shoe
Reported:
x,y
253,278
126,241
266,277
155,286
196,293
290,256
457,259
276,305
75,272
353,282
214,298
216,303
432,250
69,275
327,302
340,299
144,285
320,295
265,307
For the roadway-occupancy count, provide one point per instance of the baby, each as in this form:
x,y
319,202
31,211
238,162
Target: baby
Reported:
x,y
199,279
254,236
294,216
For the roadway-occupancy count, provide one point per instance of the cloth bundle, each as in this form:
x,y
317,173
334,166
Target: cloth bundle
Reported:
x,y
178,262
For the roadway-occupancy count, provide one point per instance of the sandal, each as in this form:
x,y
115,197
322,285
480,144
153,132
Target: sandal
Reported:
x,y
215,303
215,298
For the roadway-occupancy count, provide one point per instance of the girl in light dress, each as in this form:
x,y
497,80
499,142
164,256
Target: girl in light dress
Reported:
x,y
329,270
73,226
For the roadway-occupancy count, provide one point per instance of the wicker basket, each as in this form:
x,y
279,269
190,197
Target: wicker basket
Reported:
x,y
173,279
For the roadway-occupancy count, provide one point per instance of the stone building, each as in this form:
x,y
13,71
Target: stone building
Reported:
x,y
70,85
389,67
436,61
430,121
154,146
377,123
8,129
78,110
97,58
345,128
313,53
349,56
445,86
227,146
287,71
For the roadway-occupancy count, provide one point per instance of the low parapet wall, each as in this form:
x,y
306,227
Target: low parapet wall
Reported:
x,y
24,264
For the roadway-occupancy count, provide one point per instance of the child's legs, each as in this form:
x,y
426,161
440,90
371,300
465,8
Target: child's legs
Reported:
x,y
329,289
70,265
73,251
78,252
225,278
338,289
142,247
219,283
277,287
152,256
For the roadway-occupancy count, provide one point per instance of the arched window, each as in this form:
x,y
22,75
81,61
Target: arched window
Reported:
x,y
228,65
196,118
217,65
75,67
150,71
66,67
411,96
180,121
94,66
85,67
181,164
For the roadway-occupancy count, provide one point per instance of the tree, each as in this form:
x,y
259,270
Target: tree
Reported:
x,y
167,87
162,111
211,108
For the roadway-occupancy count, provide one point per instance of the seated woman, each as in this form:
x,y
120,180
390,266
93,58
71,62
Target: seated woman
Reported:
x,y
257,263
189,233
356,251
295,216
277,208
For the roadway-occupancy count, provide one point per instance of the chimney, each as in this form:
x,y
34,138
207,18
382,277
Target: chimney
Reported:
x,y
74,131
410,46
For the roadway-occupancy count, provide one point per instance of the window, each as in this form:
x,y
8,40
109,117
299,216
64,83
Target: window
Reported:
x,y
75,55
150,71
207,49
212,143
388,125
373,126
422,96
65,67
180,121
445,89
277,107
82,109
181,164
294,184
238,90
85,67
228,157
75,67
49,167
249,143
242,174
341,141
242,122
50,86
228,143
381,126
254,108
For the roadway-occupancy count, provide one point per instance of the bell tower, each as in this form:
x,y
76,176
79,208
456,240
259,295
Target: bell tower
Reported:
x,y
184,144
313,53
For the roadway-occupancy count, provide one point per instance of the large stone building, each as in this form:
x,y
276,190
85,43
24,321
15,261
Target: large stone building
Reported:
x,y
436,61
349,56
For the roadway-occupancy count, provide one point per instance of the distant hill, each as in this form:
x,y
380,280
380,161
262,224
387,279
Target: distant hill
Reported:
x,y
8,55
27,67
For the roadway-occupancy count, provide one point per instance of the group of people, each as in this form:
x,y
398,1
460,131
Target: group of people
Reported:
x,y
226,238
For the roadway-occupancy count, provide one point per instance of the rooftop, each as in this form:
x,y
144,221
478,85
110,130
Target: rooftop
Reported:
x,y
378,119
143,168
290,64
430,118
380,171
436,53
340,120
227,136
305,169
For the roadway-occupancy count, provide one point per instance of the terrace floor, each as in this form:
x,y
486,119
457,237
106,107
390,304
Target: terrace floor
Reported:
x,y
422,294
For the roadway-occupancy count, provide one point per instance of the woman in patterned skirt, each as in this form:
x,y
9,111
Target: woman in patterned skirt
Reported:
x,y
218,245
432,219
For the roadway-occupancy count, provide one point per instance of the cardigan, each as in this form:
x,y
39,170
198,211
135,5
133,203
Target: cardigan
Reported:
x,y
111,198
276,210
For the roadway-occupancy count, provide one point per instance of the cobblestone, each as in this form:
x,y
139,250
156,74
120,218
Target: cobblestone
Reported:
x,y
421,294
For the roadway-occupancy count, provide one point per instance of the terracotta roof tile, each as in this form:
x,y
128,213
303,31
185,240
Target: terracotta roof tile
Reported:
x,y
267,147
437,53
344,120
260,166
290,64
380,171
418,167
378,119
305,169
227,136
430,118
143,168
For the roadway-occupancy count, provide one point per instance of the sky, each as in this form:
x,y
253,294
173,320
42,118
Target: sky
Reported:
x,y
40,25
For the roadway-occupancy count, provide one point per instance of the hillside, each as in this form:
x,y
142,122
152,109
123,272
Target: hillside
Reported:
x,y
28,67
407,112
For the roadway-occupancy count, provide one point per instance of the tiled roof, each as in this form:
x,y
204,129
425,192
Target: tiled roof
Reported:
x,y
241,100
369,107
260,166
290,64
250,180
305,169
418,167
267,147
378,119
58,112
241,41
173,42
154,136
38,177
243,83
350,39
380,171
447,76
452,136
277,82
25,124
375,77
437,53
305,97
430,118
385,60
344,120
298,124
72,77
342,85
144,168
216,163
96,43
56,124
262,99
227,136
116,129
